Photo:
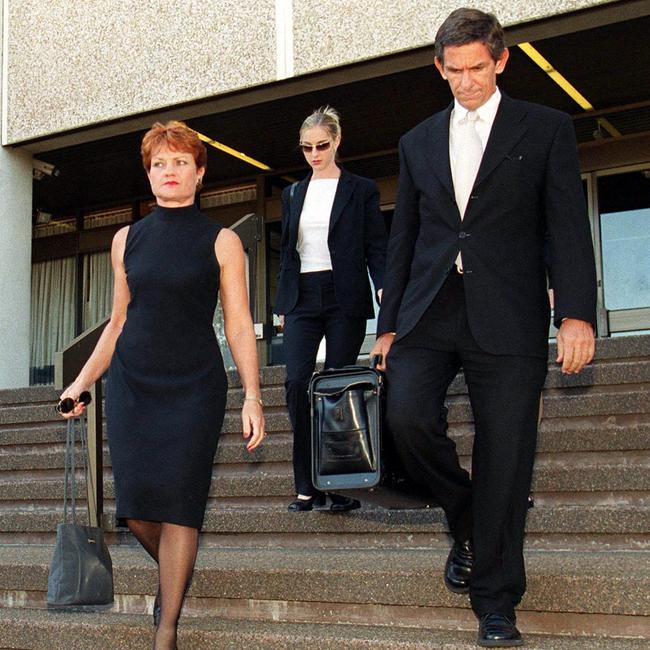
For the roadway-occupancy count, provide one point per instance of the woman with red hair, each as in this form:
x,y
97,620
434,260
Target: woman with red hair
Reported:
x,y
166,388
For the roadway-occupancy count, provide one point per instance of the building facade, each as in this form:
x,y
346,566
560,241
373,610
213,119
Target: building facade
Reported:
x,y
81,82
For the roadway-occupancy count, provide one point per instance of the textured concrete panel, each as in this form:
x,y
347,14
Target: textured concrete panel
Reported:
x,y
15,266
328,34
73,64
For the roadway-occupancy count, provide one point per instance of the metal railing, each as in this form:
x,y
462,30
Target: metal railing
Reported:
x,y
67,364
249,229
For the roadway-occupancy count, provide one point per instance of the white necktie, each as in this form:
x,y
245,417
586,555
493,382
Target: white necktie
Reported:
x,y
468,159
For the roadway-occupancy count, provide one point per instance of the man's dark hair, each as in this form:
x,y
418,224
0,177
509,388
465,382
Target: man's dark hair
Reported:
x,y
464,26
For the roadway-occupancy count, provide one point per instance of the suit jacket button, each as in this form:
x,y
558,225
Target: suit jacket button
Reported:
x,y
463,235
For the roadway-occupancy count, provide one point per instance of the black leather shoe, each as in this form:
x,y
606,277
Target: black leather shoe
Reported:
x,y
498,631
458,570
343,504
305,505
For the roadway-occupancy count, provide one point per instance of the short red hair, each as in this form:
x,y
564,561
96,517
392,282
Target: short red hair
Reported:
x,y
178,137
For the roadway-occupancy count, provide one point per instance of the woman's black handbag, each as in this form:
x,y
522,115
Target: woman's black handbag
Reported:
x,y
81,572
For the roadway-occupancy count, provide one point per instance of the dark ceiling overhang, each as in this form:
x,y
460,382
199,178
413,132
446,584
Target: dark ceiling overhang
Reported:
x,y
603,51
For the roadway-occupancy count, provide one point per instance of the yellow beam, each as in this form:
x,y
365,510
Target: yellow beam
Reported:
x,y
558,78
566,86
232,152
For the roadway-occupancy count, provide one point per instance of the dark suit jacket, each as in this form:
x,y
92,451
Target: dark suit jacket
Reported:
x,y
527,187
357,243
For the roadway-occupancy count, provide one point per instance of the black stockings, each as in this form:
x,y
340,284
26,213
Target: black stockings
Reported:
x,y
174,548
148,534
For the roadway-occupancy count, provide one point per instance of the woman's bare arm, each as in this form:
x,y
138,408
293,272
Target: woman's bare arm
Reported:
x,y
100,359
238,326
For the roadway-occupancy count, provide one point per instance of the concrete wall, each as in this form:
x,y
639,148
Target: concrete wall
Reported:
x,y
73,64
360,29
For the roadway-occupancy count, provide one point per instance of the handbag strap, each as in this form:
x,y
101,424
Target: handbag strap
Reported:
x,y
70,478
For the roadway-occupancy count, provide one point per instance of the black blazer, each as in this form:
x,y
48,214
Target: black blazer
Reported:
x,y
357,242
527,188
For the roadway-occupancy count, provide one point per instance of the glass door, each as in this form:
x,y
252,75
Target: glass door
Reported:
x,y
623,200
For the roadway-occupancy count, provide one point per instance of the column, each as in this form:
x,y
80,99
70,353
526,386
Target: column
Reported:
x,y
15,248
15,266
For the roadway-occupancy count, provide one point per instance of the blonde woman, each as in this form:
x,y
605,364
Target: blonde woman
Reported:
x,y
333,233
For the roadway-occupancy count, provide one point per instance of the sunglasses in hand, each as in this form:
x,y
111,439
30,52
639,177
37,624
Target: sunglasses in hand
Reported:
x,y
67,405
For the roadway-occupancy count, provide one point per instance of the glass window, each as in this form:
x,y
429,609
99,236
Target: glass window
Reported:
x,y
624,205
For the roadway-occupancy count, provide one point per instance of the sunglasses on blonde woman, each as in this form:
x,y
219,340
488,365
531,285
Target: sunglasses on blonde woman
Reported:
x,y
321,146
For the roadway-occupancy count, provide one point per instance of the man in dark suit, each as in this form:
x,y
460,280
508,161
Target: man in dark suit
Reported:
x,y
482,184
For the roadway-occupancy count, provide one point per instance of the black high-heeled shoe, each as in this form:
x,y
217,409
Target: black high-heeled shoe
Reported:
x,y
304,505
341,503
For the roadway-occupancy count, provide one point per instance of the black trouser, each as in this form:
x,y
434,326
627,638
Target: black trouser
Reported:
x,y
316,314
504,392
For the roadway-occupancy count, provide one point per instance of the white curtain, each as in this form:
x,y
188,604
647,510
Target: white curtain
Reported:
x,y
98,288
53,314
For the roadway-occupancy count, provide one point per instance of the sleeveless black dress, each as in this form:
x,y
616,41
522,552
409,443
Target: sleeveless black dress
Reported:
x,y
166,387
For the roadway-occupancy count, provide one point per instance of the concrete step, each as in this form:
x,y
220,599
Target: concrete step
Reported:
x,y
38,473
635,349
43,630
617,364
559,429
243,517
573,398
231,449
20,446
592,584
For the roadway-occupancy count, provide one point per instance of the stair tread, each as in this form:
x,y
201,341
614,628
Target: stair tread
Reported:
x,y
130,632
583,399
634,565
613,582
272,517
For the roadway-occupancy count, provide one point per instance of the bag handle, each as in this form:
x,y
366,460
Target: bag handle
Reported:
x,y
70,478
340,391
69,474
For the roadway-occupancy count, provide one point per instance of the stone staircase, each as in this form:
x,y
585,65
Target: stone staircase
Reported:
x,y
267,578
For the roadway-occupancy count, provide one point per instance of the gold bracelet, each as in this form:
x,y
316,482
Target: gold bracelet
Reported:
x,y
254,399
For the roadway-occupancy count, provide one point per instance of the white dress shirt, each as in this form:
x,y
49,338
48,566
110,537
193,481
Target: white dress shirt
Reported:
x,y
465,154
483,124
314,225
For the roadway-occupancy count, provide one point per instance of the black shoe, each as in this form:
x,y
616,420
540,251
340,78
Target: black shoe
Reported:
x,y
498,631
156,609
458,570
343,504
304,505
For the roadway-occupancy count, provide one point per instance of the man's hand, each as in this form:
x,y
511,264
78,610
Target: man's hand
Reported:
x,y
575,345
381,347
